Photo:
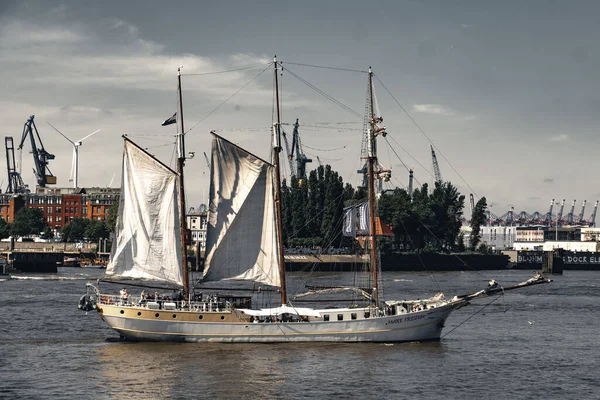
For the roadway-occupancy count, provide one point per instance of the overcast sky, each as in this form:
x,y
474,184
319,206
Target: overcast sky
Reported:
x,y
507,91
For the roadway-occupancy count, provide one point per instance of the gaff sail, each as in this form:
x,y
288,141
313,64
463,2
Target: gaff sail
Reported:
x,y
241,238
148,234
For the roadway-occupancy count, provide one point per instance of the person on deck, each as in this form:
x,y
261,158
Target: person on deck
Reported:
x,y
124,295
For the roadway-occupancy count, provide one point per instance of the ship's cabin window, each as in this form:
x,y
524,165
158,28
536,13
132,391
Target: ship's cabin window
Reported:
x,y
353,315
340,317
326,317
367,314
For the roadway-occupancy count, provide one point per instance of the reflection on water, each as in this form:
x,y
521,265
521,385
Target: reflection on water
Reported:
x,y
162,370
140,369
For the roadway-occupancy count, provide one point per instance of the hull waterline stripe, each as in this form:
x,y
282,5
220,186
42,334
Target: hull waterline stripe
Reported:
x,y
268,334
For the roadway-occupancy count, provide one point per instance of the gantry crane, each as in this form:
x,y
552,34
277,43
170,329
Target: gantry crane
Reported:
x,y
410,183
436,166
571,214
15,182
548,219
207,161
560,212
592,221
580,217
41,157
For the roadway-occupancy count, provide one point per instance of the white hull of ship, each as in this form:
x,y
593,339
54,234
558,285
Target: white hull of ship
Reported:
x,y
414,327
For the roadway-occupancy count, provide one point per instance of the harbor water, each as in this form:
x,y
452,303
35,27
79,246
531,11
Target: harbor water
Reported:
x,y
537,343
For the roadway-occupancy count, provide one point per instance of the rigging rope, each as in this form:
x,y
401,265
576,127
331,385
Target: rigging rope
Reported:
x,y
325,67
324,94
337,148
471,316
424,134
534,291
229,98
226,71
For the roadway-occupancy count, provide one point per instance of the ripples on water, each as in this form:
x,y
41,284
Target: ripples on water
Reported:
x,y
539,343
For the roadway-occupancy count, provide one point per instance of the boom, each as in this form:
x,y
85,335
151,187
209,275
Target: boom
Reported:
x,y
580,217
436,166
571,214
560,212
592,221
548,219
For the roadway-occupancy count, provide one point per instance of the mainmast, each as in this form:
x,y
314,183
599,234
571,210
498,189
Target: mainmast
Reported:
x,y
276,151
180,164
371,163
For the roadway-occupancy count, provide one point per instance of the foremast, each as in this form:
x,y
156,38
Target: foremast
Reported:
x,y
180,165
277,197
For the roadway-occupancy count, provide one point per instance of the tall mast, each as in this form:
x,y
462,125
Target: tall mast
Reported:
x,y
180,164
276,151
371,162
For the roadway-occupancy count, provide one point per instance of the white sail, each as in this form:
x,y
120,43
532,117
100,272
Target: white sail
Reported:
x,y
148,242
241,238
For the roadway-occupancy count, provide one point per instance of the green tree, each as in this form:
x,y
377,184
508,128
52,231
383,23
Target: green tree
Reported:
x,y
460,245
95,230
110,220
395,209
4,229
75,230
477,220
447,205
348,193
28,221
286,214
332,207
312,208
298,206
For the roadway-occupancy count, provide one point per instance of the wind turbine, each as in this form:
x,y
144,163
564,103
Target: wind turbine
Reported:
x,y
75,163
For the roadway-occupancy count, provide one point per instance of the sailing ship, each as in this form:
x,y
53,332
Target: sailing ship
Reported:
x,y
244,243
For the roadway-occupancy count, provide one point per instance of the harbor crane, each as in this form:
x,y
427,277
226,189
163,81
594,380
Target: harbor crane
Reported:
x,y
571,214
548,219
592,221
207,161
580,217
15,182
41,157
296,156
560,212
300,157
436,166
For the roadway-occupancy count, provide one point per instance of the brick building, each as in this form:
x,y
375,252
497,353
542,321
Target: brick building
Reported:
x,y
61,205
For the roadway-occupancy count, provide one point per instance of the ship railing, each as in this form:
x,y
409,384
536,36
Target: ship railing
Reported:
x,y
163,303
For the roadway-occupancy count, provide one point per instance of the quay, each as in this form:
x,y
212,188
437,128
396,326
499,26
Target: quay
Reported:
x,y
40,257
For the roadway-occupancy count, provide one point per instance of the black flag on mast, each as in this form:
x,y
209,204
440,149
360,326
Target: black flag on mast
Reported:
x,y
170,120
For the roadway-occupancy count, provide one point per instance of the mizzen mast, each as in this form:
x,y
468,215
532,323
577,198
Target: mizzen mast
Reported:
x,y
276,151
180,165
373,131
